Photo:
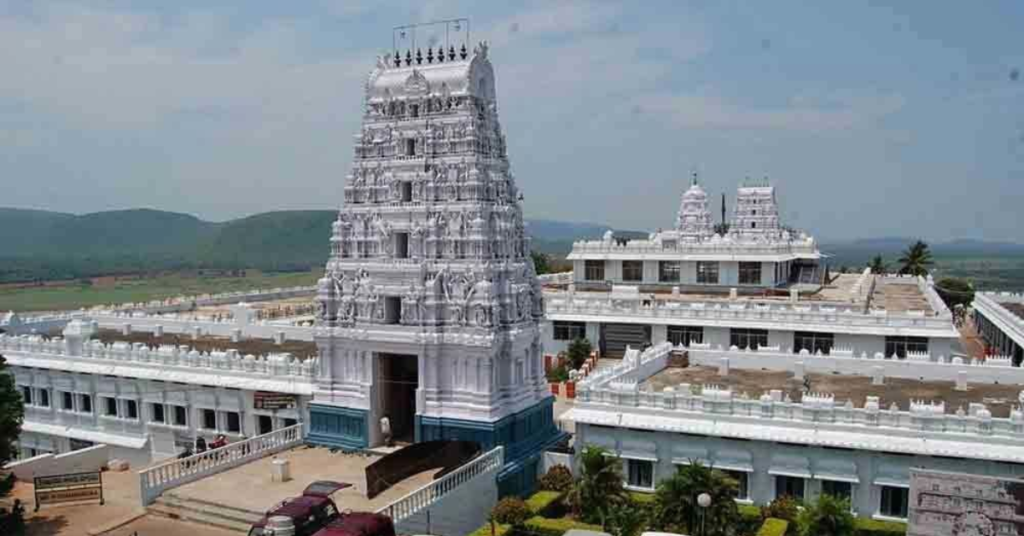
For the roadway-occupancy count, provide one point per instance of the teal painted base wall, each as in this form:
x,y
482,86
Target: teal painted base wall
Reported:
x,y
335,427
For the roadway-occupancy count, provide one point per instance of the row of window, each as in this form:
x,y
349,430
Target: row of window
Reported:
x,y
893,500
125,408
670,272
745,338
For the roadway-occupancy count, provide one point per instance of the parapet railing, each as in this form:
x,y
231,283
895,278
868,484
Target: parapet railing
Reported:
x,y
209,299
731,312
417,500
991,305
704,248
168,475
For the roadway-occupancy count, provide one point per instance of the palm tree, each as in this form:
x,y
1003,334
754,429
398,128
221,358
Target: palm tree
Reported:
x,y
916,259
877,265
676,500
828,516
598,487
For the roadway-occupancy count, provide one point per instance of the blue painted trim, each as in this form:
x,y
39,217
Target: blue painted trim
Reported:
x,y
344,428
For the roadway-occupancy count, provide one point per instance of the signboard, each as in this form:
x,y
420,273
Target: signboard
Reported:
x,y
266,400
73,487
959,504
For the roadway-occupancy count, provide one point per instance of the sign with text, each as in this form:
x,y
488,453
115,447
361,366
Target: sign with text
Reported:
x,y
273,401
73,487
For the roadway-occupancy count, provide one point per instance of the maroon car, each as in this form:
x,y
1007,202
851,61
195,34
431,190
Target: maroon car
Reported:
x,y
308,513
359,524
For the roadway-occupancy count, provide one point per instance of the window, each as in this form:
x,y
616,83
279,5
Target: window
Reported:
x,y
110,406
180,416
684,335
85,403
742,484
234,422
813,342
26,395
68,401
406,191
410,147
668,271
789,486
569,331
641,473
894,501
899,346
209,419
401,245
132,408
392,310
840,490
750,273
632,270
748,338
157,412
707,272
593,270
44,398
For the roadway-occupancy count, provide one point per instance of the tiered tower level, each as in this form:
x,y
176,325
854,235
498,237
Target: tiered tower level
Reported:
x,y
429,307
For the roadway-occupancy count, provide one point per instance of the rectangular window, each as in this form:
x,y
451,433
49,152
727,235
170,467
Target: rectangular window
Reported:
x,y
406,191
85,403
44,398
157,412
26,395
68,401
410,147
593,270
742,483
839,490
110,406
894,501
899,346
707,272
632,270
132,408
813,342
401,245
392,310
789,486
641,473
180,416
569,331
234,422
209,419
750,273
668,271
748,338
685,335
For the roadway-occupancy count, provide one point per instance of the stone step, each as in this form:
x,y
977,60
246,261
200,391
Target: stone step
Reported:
x,y
226,512
198,517
184,499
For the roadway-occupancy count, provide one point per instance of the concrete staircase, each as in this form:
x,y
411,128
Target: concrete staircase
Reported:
x,y
204,513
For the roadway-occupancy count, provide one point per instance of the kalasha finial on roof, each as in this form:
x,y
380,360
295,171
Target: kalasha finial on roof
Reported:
x,y
419,57
451,53
398,59
430,55
462,51
408,58
695,178
440,54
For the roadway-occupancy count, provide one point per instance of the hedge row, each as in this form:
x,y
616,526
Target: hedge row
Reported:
x,y
873,527
545,503
773,527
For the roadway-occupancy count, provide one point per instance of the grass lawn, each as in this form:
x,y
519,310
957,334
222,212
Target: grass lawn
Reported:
x,y
75,296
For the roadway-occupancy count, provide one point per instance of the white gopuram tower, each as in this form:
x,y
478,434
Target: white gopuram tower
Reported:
x,y
694,219
430,305
756,216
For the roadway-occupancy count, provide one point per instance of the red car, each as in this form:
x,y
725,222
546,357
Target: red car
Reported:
x,y
359,524
310,512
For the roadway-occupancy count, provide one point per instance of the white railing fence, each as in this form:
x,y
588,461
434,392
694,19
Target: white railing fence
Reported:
x,y
167,475
417,500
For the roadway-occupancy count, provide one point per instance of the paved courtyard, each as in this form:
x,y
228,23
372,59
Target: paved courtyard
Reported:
x,y
121,498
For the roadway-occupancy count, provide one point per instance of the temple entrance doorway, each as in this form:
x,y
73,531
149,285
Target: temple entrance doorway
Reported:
x,y
398,380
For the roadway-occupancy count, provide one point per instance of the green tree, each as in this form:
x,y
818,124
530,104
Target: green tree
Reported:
x,y
599,486
828,516
916,259
676,506
877,265
541,263
578,352
12,414
626,519
955,291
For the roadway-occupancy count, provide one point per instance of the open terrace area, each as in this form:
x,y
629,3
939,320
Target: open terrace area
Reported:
x,y
250,487
206,343
998,398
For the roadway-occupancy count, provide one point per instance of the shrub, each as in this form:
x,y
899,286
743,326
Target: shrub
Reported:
x,y
546,503
499,530
827,516
872,527
542,526
784,508
578,352
773,527
511,511
558,478
558,374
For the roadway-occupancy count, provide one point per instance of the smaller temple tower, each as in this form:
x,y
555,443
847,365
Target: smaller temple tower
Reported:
x,y
756,215
694,219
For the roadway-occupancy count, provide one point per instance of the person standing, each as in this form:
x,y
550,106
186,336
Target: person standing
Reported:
x,y
385,431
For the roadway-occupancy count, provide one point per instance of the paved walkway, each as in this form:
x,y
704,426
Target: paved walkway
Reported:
x,y
160,526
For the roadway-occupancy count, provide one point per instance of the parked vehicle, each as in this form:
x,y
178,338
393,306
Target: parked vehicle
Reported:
x,y
303,515
359,524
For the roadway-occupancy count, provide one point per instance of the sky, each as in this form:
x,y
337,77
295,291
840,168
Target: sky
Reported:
x,y
872,119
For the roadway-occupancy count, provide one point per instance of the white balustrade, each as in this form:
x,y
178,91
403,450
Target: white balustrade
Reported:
x,y
168,475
